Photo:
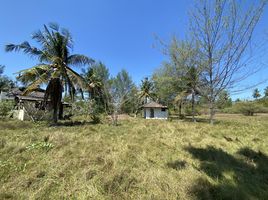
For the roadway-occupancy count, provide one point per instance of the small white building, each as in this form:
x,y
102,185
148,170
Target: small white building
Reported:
x,y
153,110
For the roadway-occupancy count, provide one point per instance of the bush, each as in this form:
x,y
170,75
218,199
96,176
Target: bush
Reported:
x,y
247,108
94,111
6,107
87,108
34,113
188,110
80,108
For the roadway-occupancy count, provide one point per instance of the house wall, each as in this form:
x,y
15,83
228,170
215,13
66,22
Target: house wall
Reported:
x,y
158,114
19,114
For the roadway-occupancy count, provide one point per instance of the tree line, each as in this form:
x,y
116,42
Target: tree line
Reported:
x,y
201,69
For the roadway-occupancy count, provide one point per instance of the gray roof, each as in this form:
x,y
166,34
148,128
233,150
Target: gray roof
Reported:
x,y
33,96
153,104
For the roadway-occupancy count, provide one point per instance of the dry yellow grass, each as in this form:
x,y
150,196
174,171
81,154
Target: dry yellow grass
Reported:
x,y
139,159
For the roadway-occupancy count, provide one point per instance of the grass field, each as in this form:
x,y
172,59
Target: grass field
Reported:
x,y
139,159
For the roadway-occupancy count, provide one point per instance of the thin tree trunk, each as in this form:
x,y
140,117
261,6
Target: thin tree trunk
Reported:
x,y
193,107
211,112
114,117
180,109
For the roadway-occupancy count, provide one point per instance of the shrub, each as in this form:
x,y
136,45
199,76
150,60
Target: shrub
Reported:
x,y
188,110
80,107
6,108
248,108
94,111
35,114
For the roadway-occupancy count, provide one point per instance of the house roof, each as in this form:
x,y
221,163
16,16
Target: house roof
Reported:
x,y
153,104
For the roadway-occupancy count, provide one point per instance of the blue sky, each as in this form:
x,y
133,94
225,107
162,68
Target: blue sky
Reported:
x,y
120,33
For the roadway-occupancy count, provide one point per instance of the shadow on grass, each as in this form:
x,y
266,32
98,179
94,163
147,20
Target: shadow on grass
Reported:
x,y
177,165
199,120
14,124
73,123
245,177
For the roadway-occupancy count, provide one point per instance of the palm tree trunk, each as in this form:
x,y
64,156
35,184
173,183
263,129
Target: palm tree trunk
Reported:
x,y
61,110
55,115
54,92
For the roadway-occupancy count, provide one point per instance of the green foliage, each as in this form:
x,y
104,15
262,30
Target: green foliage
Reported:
x,y
147,90
80,107
55,62
94,111
223,100
5,82
120,91
188,110
6,107
256,94
98,76
40,145
247,108
133,102
266,92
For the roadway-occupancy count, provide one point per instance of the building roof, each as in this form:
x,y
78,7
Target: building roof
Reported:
x,y
153,104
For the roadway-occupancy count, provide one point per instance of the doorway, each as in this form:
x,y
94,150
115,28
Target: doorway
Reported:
x,y
151,113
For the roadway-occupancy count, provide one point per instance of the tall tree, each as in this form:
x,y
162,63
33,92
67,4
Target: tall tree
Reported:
x,y
5,82
147,90
256,94
54,68
224,29
119,93
97,75
180,76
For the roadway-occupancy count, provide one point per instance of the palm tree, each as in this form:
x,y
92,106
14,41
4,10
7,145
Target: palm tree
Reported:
x,y
94,82
54,68
146,91
256,94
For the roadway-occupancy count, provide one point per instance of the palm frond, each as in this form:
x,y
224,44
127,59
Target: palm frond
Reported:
x,y
44,78
36,67
66,33
25,47
39,37
76,78
79,60
54,26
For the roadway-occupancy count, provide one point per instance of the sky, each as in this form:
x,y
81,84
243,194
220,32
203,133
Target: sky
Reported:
x,y
120,33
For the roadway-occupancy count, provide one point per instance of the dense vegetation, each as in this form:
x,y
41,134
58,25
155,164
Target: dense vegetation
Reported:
x,y
139,159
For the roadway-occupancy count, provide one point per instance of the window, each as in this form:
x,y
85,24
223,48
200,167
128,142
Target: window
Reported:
x,y
163,109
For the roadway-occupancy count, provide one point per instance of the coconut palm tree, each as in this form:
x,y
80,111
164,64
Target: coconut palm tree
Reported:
x,y
146,91
54,68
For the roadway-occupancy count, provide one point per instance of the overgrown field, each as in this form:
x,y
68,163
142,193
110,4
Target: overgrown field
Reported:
x,y
139,159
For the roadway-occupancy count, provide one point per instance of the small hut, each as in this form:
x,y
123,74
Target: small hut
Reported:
x,y
23,104
153,110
